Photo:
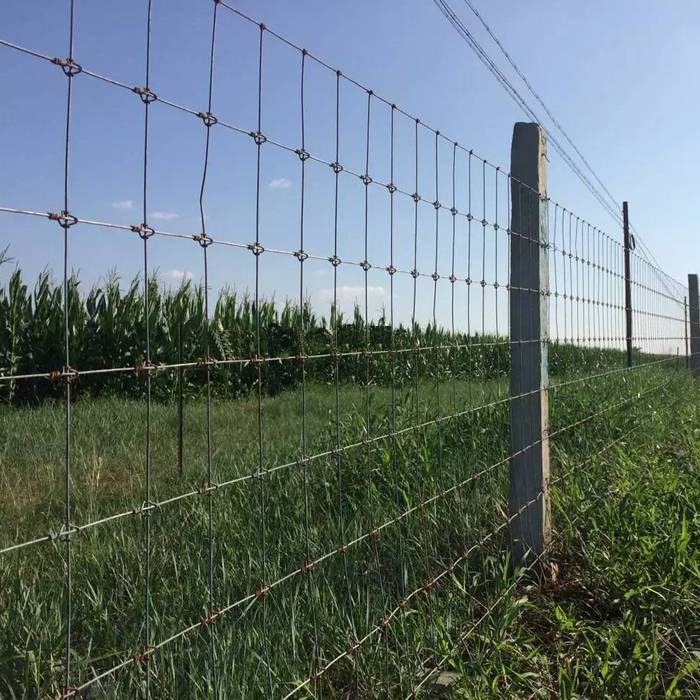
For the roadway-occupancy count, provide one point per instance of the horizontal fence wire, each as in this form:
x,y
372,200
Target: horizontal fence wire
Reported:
x,y
302,500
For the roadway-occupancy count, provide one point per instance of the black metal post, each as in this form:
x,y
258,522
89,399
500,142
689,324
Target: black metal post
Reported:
x,y
628,284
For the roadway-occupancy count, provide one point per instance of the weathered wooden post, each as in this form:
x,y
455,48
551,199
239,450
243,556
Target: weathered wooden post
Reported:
x,y
694,309
529,338
629,246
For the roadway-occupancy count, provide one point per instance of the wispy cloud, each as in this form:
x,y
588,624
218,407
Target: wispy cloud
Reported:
x,y
280,183
123,204
349,294
179,275
164,215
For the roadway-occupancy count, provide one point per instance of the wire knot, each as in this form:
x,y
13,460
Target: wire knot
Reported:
x,y
336,167
203,240
66,372
258,137
210,617
415,273
307,566
454,211
142,655
66,692
452,279
208,118
300,255
435,276
146,94
366,179
334,260
144,231
437,204
365,265
68,66
255,248
144,366
391,187
303,155
262,591
416,197
391,270
65,219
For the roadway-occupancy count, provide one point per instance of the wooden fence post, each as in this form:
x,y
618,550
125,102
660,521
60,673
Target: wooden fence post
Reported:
x,y
529,506
694,308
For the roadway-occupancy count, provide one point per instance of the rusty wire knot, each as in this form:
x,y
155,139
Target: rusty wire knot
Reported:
x,y
373,533
391,187
205,361
64,218
145,508
262,591
210,617
365,265
301,255
66,692
66,372
334,260
203,240
416,197
366,179
144,231
207,118
257,360
258,137
146,94
336,167
391,270
353,647
68,66
143,654
207,487
144,367
307,566
429,585
386,621
301,358
342,549
303,154
255,248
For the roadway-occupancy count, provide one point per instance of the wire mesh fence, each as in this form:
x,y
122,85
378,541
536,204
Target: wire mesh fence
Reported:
x,y
209,492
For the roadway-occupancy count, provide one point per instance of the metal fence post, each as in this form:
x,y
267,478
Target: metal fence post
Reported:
x,y
685,329
529,336
694,309
628,284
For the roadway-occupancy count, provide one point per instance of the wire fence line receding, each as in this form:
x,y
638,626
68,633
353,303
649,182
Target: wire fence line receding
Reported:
x,y
326,510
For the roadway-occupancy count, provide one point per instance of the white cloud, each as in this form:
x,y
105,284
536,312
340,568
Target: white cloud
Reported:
x,y
164,215
348,294
179,275
280,183
123,204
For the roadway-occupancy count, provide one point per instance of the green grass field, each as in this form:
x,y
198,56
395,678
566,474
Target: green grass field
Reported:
x,y
619,616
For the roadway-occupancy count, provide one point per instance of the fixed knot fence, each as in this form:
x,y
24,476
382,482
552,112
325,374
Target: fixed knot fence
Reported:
x,y
213,492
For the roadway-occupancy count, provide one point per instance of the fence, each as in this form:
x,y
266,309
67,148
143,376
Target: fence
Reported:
x,y
227,497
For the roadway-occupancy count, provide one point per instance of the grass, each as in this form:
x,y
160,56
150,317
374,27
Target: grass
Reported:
x,y
617,618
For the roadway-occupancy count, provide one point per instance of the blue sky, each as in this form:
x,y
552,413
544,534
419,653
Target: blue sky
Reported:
x,y
617,76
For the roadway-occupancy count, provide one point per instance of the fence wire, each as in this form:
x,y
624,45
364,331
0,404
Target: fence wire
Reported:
x,y
334,520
